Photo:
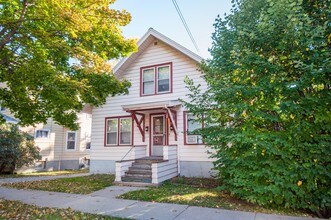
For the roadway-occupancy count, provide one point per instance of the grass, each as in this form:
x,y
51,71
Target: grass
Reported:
x,y
76,185
45,173
199,192
18,210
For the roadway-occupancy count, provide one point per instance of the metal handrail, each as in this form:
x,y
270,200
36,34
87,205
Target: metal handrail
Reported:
x,y
128,152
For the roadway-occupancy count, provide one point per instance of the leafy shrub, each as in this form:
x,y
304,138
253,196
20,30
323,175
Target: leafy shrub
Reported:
x,y
16,148
267,108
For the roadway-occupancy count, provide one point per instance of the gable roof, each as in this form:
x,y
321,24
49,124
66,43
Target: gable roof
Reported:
x,y
144,42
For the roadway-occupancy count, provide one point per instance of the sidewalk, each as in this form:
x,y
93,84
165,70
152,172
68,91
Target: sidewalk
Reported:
x,y
35,178
104,202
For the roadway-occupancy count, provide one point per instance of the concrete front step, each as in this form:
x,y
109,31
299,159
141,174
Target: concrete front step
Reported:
x,y
135,170
136,179
141,175
141,166
141,170
148,161
139,184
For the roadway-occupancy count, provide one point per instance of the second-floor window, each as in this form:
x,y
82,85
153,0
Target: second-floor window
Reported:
x,y
156,79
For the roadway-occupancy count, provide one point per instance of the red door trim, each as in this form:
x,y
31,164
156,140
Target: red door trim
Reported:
x,y
150,131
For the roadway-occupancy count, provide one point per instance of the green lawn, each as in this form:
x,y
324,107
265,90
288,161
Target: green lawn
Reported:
x,y
46,173
199,192
18,210
76,185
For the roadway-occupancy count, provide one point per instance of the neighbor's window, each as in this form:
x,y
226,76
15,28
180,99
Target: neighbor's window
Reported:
x,y
42,133
88,145
88,141
156,79
71,140
118,131
191,125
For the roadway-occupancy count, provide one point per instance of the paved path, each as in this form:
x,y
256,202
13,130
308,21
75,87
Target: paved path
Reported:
x,y
104,202
35,178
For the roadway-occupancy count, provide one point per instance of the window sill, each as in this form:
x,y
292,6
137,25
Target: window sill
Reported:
x,y
128,145
163,93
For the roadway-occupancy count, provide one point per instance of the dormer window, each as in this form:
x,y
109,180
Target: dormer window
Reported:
x,y
156,79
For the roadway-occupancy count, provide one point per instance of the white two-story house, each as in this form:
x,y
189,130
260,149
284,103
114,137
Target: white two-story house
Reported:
x,y
60,148
145,136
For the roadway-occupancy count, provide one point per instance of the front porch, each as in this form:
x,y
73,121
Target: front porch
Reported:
x,y
156,160
151,170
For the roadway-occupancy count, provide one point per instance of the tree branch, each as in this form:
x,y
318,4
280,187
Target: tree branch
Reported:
x,y
8,36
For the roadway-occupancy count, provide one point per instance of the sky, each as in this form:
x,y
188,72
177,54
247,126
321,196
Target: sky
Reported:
x,y
162,16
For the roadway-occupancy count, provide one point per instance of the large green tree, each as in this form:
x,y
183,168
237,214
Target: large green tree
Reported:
x,y
267,108
54,57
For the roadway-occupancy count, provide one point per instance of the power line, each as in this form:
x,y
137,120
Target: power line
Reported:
x,y
185,24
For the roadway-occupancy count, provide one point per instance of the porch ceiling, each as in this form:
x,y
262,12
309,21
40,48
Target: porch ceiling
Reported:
x,y
149,106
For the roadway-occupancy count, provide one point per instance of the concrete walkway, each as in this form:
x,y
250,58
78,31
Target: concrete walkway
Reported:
x,y
35,178
104,202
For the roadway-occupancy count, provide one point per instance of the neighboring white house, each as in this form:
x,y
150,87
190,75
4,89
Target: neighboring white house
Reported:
x,y
151,121
60,148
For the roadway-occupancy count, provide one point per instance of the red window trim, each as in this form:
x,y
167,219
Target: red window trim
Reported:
x,y
185,132
118,131
155,78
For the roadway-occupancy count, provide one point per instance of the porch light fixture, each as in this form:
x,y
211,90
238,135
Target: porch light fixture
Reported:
x,y
146,128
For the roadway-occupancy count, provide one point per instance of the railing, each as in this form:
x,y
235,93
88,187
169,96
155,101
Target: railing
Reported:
x,y
122,166
127,153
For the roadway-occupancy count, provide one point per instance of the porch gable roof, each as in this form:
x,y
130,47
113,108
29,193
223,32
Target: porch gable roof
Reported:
x,y
151,105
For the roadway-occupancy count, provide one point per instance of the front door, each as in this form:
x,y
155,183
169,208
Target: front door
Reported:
x,y
158,135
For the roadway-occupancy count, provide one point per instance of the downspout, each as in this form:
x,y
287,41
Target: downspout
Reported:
x,y
60,158
175,128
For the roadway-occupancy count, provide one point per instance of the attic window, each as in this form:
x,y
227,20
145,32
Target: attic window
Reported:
x,y
156,80
155,43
